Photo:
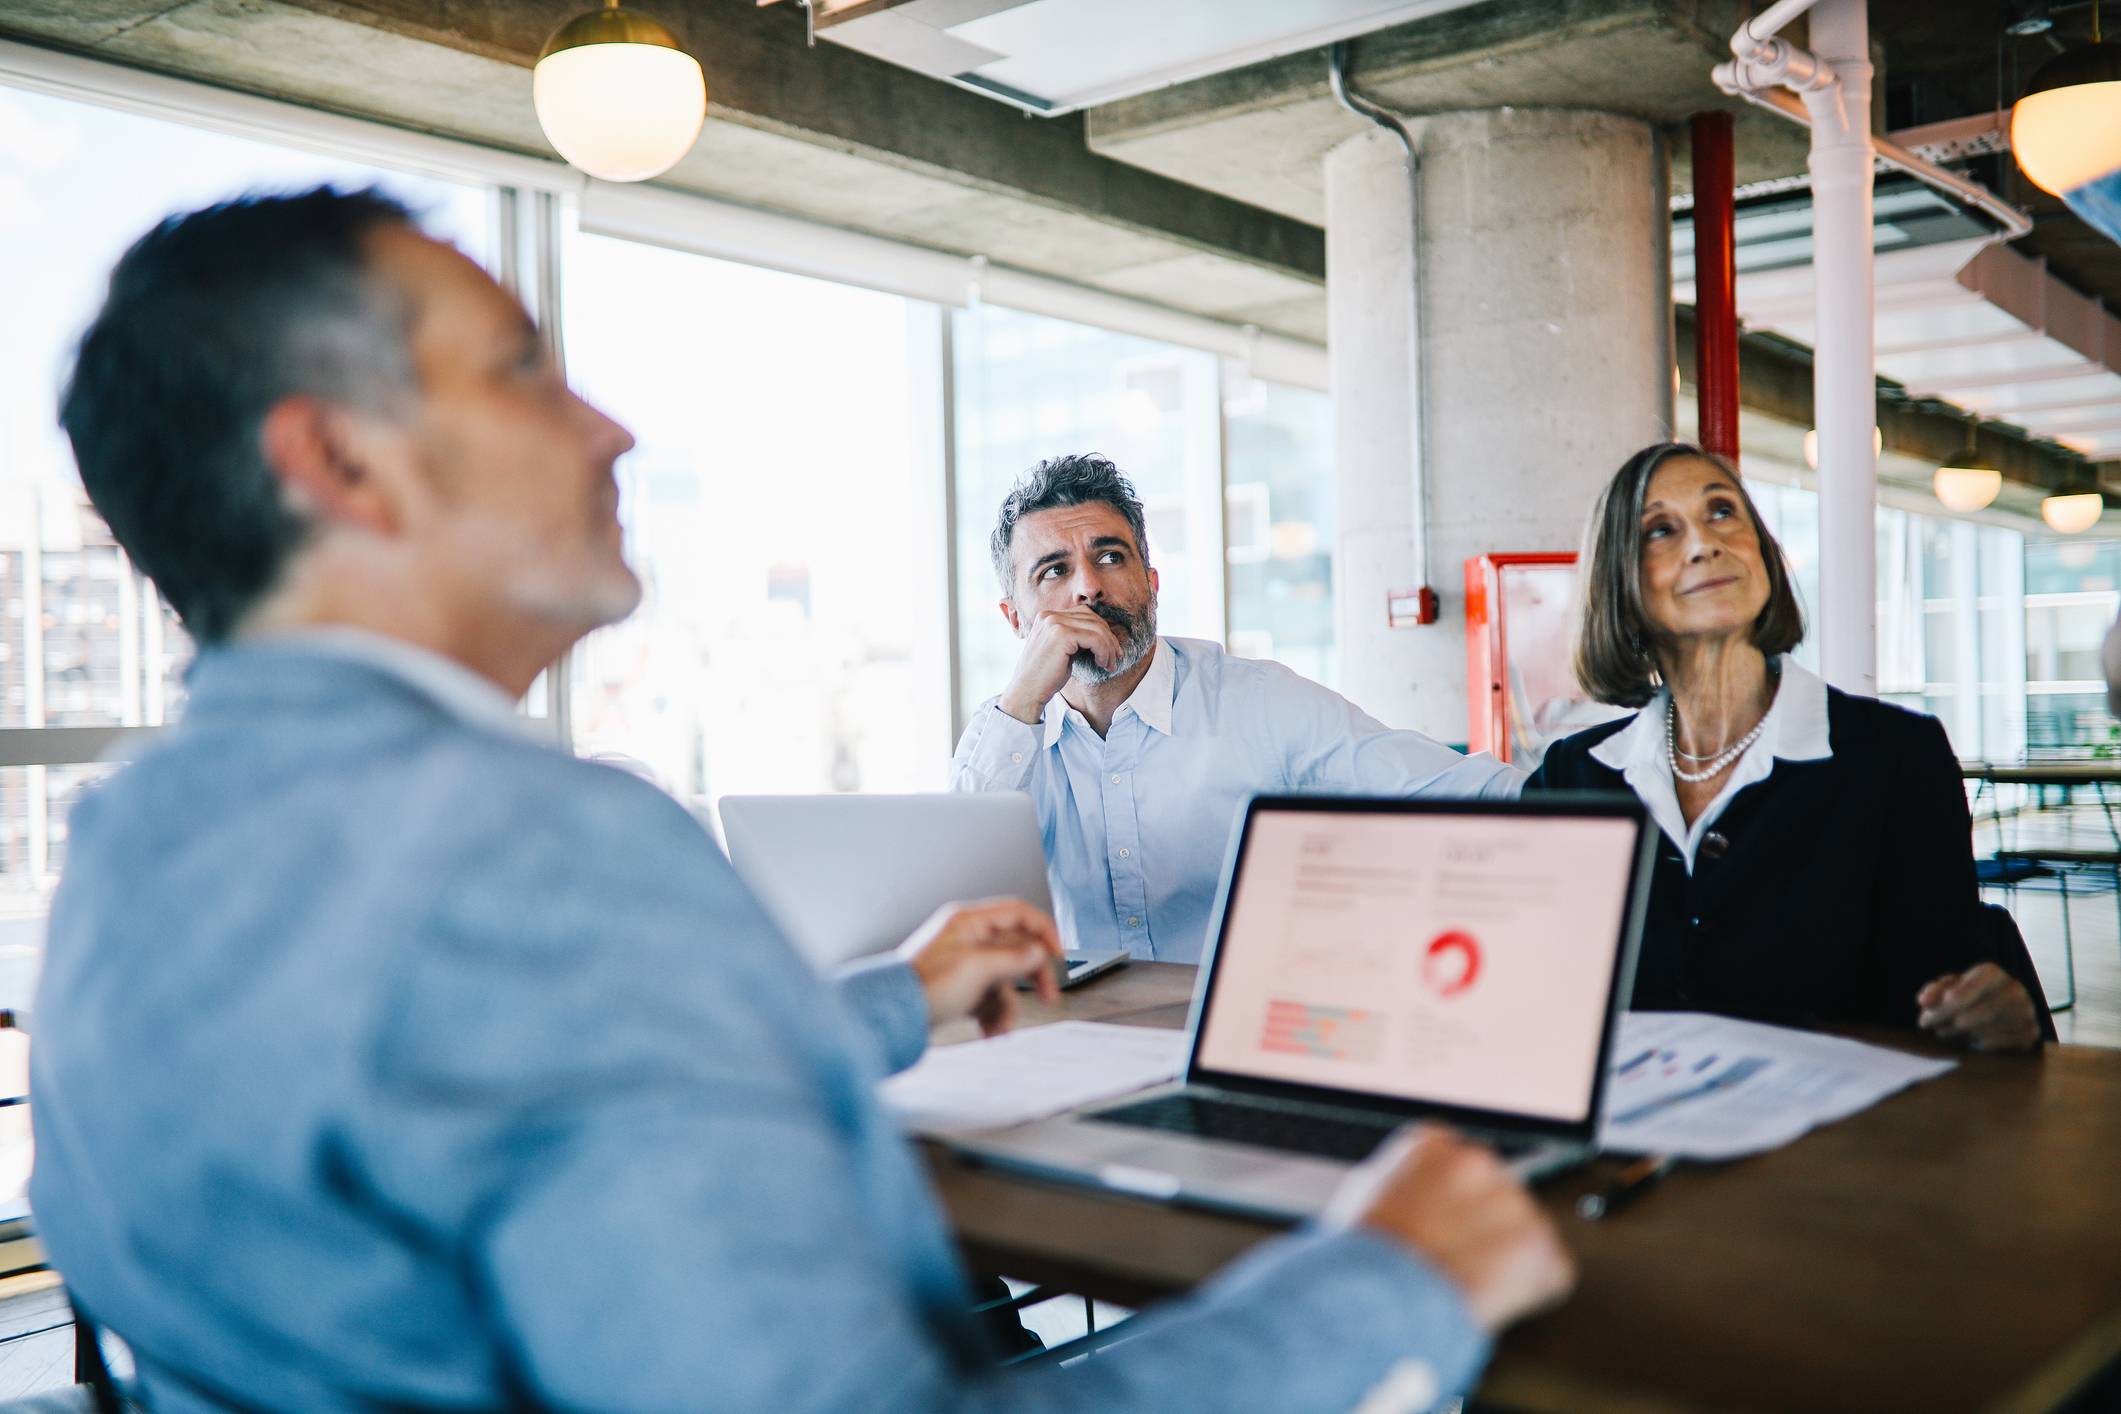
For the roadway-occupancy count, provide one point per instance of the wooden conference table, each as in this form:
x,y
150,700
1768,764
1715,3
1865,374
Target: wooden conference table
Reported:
x,y
2084,771
1958,1247
2067,774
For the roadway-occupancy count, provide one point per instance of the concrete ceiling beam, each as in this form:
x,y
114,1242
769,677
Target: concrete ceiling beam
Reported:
x,y
1260,133
826,134
760,75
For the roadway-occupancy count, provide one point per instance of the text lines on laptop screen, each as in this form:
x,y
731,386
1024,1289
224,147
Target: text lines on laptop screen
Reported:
x,y
1442,958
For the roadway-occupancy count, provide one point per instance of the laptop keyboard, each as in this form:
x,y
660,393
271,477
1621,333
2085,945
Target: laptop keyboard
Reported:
x,y
1272,1127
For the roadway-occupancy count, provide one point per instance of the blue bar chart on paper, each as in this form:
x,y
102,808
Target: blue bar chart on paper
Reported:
x,y
1708,1087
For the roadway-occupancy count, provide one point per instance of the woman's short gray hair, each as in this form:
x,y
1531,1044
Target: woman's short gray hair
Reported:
x,y
1616,658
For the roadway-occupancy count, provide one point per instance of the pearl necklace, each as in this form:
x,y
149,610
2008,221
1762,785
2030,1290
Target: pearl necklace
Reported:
x,y
1717,764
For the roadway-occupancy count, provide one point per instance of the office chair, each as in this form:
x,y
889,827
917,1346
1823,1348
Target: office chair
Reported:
x,y
2010,872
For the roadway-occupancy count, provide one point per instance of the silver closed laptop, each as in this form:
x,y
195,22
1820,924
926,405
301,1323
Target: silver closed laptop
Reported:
x,y
850,875
1375,962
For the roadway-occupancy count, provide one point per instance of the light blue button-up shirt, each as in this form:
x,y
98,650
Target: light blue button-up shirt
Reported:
x,y
1137,822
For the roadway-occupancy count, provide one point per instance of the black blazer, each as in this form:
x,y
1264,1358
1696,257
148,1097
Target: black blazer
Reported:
x,y
1828,893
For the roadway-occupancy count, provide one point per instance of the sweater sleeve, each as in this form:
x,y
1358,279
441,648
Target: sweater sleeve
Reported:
x,y
1559,769
1924,905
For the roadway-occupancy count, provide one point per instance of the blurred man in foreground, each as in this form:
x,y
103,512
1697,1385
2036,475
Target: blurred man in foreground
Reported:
x,y
388,1059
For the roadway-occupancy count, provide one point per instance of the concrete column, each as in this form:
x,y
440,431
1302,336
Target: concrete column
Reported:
x,y
1503,324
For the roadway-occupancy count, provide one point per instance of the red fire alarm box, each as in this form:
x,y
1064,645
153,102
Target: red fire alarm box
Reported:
x,y
1521,688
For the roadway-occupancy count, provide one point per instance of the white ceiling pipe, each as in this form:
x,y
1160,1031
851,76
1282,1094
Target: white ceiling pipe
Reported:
x,y
1835,86
1761,61
2014,222
1764,26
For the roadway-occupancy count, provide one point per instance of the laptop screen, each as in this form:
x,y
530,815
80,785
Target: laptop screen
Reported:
x,y
1455,958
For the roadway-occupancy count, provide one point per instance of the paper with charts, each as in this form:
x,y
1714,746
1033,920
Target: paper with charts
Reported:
x,y
1031,1074
1708,1087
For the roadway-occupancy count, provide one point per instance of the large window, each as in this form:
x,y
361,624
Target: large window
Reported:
x,y
1281,523
2072,593
1235,475
84,642
1952,613
804,449
1029,388
783,508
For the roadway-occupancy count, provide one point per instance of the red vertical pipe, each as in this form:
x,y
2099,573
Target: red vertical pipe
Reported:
x,y
1715,284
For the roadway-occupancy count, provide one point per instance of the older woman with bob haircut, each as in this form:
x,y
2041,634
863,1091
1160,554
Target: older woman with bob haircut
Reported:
x,y
1818,861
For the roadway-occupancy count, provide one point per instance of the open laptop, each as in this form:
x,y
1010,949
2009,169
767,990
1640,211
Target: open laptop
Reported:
x,y
850,875
1375,962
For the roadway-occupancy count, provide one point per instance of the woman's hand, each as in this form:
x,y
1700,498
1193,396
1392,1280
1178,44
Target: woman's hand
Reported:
x,y
970,956
1983,1007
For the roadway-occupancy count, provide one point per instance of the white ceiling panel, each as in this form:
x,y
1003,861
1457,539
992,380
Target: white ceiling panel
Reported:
x,y
1056,56
1958,318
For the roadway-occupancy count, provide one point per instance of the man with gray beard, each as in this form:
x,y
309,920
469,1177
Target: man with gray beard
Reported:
x,y
1140,750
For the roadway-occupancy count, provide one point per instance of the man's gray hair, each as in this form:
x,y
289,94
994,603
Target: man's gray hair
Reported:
x,y
211,320
1080,479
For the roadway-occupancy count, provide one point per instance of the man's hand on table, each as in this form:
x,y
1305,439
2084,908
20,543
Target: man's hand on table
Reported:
x,y
1050,646
1459,1206
1983,1007
970,956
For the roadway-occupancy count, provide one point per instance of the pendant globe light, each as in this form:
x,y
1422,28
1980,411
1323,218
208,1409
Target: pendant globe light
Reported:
x,y
616,95
2066,130
2073,514
1969,481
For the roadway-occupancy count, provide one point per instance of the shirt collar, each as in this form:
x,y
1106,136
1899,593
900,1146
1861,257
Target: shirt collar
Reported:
x,y
1151,699
1801,732
1795,729
465,695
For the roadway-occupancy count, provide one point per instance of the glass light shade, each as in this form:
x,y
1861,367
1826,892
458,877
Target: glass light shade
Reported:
x,y
1966,488
2066,131
617,97
2072,515
1811,446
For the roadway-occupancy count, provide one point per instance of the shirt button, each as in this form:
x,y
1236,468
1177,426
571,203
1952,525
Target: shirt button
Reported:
x,y
1126,853
1715,844
1134,920
1115,780
1016,758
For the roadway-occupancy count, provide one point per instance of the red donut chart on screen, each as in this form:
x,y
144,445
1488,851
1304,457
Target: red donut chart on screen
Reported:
x,y
1451,965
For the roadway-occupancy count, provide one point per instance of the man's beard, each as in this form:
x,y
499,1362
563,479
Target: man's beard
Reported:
x,y
1137,635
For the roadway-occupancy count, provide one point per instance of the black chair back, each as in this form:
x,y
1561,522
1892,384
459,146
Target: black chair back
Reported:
x,y
92,1370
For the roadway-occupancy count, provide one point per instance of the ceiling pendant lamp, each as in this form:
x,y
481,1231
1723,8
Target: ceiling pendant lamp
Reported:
x,y
1969,481
2066,129
616,95
2074,514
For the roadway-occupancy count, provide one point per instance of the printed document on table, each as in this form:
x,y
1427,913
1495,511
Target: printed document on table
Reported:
x,y
1031,1074
1709,1087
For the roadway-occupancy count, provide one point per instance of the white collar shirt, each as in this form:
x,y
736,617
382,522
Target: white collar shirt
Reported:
x,y
1795,730
1136,823
464,694
1150,700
